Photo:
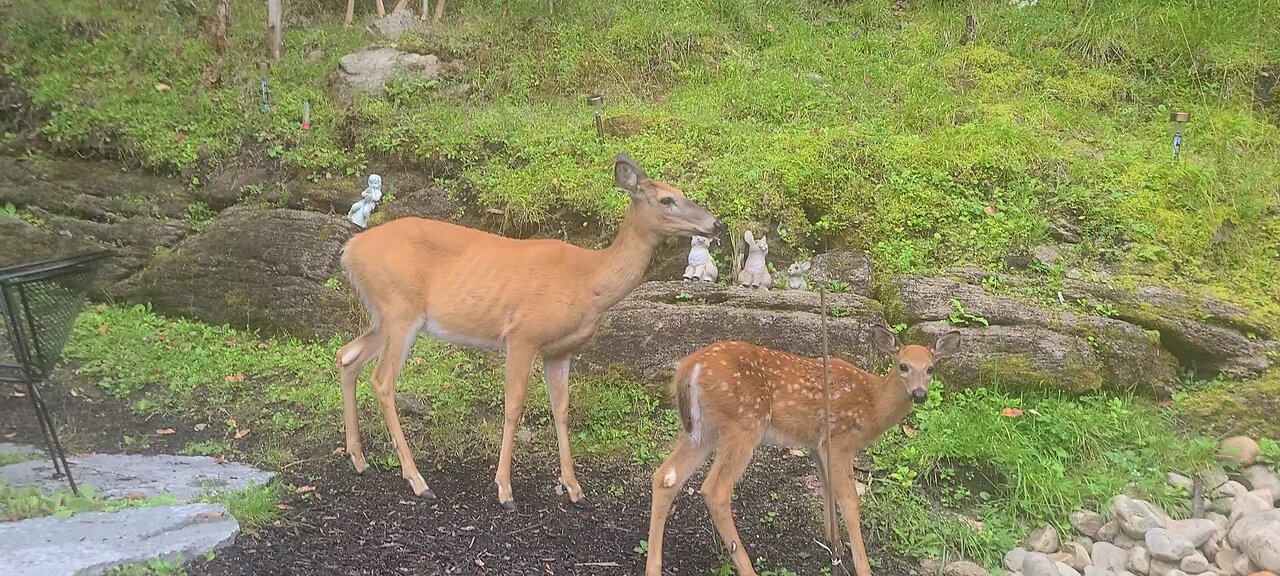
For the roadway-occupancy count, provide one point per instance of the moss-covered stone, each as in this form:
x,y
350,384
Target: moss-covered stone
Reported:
x,y
1251,408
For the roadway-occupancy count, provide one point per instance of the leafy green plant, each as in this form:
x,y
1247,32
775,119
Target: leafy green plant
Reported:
x,y
959,317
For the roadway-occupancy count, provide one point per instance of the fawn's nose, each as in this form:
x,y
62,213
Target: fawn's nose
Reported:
x,y
919,395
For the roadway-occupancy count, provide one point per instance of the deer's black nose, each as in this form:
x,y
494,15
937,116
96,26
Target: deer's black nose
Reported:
x,y
919,395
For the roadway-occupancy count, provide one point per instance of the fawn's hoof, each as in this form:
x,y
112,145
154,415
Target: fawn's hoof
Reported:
x,y
510,506
582,503
426,494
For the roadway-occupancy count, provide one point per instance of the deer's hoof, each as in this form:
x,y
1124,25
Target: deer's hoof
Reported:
x,y
509,506
583,504
426,494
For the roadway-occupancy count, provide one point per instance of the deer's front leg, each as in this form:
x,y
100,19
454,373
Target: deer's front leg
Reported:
x,y
556,371
519,361
847,493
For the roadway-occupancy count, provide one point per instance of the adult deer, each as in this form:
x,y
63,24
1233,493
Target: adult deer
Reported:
x,y
473,288
378,6
732,396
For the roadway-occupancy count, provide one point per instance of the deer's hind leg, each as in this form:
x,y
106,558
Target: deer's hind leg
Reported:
x,y
351,359
732,456
667,481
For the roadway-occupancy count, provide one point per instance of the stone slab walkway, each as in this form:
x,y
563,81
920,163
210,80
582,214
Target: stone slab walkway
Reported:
x,y
90,543
117,475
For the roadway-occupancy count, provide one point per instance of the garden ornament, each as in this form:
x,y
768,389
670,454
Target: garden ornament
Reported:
x,y
701,265
795,276
360,211
755,272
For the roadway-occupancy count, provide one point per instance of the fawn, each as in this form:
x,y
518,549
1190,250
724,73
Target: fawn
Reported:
x,y
732,396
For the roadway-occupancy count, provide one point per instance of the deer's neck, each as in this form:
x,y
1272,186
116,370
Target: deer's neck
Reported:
x,y
892,404
621,266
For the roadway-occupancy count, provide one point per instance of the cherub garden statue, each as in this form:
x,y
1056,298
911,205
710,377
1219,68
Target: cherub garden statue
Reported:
x,y
701,265
795,276
360,211
755,272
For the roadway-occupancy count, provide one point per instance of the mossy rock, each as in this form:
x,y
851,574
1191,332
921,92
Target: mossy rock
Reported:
x,y
1250,408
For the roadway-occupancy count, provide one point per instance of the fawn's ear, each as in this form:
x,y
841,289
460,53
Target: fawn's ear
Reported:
x,y
626,174
947,344
884,339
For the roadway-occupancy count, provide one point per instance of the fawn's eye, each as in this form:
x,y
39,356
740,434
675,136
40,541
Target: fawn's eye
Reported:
x,y
668,200
902,367
928,370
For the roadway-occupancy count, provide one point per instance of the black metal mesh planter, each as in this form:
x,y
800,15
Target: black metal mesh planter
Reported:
x,y
40,302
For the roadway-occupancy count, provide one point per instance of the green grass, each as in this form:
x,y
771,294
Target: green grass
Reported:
x,y
964,459
253,506
824,121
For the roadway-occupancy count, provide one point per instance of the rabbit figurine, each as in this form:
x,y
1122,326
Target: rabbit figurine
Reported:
x,y
755,273
795,276
701,265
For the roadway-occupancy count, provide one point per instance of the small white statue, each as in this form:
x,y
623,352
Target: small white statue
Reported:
x,y
360,211
795,276
701,266
755,273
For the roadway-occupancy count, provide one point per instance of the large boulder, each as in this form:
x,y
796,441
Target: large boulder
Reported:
x,y
662,321
370,69
1204,332
62,207
1014,340
275,270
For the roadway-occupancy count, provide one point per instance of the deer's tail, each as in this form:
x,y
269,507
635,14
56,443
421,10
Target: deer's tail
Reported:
x,y
684,389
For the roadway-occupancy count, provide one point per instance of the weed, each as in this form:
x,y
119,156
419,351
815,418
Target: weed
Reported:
x,y
959,317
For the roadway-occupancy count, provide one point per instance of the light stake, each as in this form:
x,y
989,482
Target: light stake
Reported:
x,y
1179,120
597,104
306,114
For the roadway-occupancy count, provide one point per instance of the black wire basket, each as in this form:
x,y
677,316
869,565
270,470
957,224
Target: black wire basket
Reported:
x,y
40,302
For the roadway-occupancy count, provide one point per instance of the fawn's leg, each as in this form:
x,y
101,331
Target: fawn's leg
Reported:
x,y
667,482
832,528
847,492
351,359
399,337
519,362
733,453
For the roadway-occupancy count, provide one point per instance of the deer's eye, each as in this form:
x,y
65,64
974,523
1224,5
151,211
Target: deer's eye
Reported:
x,y
668,200
902,367
928,370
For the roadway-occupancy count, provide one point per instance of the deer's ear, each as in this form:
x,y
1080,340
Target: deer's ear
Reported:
x,y
626,174
947,344
884,339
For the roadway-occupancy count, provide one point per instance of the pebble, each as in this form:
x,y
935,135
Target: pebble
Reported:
x,y
1233,489
1108,556
1064,570
1165,545
1136,516
1226,560
1043,539
1162,568
1108,531
1196,563
1258,536
1197,530
1262,478
1179,481
1038,564
1096,571
1241,450
1086,522
1247,505
964,568
1077,555
1013,559
1139,560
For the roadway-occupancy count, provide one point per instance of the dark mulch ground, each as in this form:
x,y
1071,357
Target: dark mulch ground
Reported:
x,y
372,524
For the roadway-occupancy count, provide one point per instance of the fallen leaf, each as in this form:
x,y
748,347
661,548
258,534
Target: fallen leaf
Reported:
x,y
229,341
1010,412
213,514
283,507
102,329
237,377
200,427
304,489
990,210
231,422
796,452
135,495
162,87
909,431
220,459
339,450
165,431
416,360
242,433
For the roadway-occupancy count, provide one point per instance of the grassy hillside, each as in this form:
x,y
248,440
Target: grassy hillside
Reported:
x,y
858,123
